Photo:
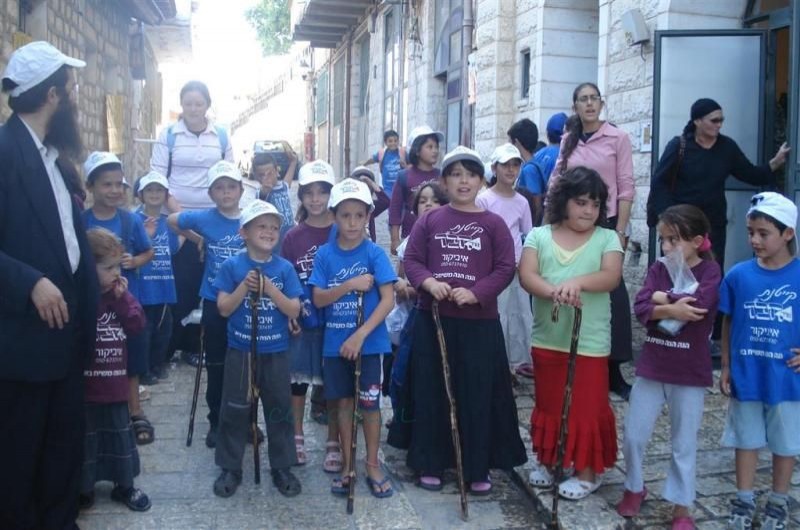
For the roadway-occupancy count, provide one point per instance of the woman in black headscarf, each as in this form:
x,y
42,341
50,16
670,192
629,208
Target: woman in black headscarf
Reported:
x,y
694,167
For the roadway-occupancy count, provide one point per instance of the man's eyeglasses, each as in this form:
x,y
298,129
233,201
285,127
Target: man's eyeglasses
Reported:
x,y
594,98
717,120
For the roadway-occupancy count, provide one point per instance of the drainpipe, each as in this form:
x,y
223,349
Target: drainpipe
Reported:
x,y
402,73
466,38
348,58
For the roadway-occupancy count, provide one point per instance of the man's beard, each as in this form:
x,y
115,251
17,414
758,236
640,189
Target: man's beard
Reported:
x,y
63,131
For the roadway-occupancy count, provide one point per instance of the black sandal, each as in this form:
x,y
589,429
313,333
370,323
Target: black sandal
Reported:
x,y
142,429
133,498
226,483
286,482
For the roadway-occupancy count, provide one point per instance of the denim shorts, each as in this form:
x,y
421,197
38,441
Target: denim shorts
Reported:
x,y
754,424
339,377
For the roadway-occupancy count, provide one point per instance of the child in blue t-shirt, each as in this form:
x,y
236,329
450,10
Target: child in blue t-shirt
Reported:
x,y
275,191
257,270
156,278
391,159
761,358
353,264
105,180
219,229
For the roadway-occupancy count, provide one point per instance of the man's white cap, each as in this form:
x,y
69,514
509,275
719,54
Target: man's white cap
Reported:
x,y
460,154
154,177
316,171
423,130
258,208
776,206
504,153
363,170
33,63
221,169
350,189
97,159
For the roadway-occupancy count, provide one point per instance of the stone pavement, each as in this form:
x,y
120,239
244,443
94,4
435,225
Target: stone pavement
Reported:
x,y
179,481
716,481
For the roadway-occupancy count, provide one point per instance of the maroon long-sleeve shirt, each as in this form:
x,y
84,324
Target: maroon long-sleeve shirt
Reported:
x,y
400,213
463,249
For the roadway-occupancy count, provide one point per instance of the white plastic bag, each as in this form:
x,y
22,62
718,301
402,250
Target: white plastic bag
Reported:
x,y
396,320
683,282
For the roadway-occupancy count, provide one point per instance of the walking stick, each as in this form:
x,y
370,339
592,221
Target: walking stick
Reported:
x,y
558,473
451,400
255,301
197,376
351,486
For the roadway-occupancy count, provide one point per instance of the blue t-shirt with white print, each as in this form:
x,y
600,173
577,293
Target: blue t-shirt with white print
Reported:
x,y
156,278
390,167
221,240
273,325
761,304
135,241
279,198
332,267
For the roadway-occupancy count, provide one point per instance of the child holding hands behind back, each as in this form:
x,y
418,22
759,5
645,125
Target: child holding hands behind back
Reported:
x,y
761,358
672,369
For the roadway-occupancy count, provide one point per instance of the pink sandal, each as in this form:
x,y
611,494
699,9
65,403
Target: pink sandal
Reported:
x,y
333,458
300,449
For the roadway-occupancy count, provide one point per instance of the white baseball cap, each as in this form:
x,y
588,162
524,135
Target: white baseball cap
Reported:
x,y
154,177
459,154
350,189
363,170
776,206
97,159
33,63
221,169
504,153
423,130
316,171
258,208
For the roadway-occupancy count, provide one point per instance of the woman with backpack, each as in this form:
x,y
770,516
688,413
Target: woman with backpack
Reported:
x,y
184,152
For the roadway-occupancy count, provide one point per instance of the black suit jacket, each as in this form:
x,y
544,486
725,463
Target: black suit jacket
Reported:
x,y
31,247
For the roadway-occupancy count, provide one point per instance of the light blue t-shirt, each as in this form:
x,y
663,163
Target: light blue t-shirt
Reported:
x,y
221,240
333,266
546,159
279,198
135,240
761,304
531,178
157,281
390,167
273,326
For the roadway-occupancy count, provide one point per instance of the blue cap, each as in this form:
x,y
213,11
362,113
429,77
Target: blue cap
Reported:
x,y
555,125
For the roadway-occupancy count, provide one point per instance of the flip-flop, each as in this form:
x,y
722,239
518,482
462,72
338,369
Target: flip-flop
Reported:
x,y
376,487
340,486
430,482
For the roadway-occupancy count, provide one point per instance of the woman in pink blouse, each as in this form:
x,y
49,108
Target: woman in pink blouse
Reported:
x,y
591,142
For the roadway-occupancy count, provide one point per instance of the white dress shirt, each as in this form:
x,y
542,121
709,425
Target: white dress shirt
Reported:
x,y
62,196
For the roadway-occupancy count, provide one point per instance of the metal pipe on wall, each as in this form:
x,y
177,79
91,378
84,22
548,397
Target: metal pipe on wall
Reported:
x,y
466,39
348,65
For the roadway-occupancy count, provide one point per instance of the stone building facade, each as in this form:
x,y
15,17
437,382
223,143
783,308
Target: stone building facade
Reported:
x,y
527,57
121,72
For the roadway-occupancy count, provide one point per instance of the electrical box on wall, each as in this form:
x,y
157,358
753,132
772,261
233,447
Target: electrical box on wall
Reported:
x,y
636,31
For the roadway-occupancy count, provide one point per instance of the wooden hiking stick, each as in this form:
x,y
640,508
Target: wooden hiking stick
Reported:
x,y
351,486
558,472
451,400
255,301
197,376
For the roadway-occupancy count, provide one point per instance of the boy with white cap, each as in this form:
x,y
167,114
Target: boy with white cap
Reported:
x,y
156,278
761,358
514,304
106,181
219,229
348,265
257,270
380,200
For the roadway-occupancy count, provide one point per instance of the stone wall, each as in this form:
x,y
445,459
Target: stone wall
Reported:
x,y
97,31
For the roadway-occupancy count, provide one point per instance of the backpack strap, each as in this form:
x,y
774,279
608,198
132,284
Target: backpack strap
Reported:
x,y
127,229
170,148
677,166
402,181
222,136
381,154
